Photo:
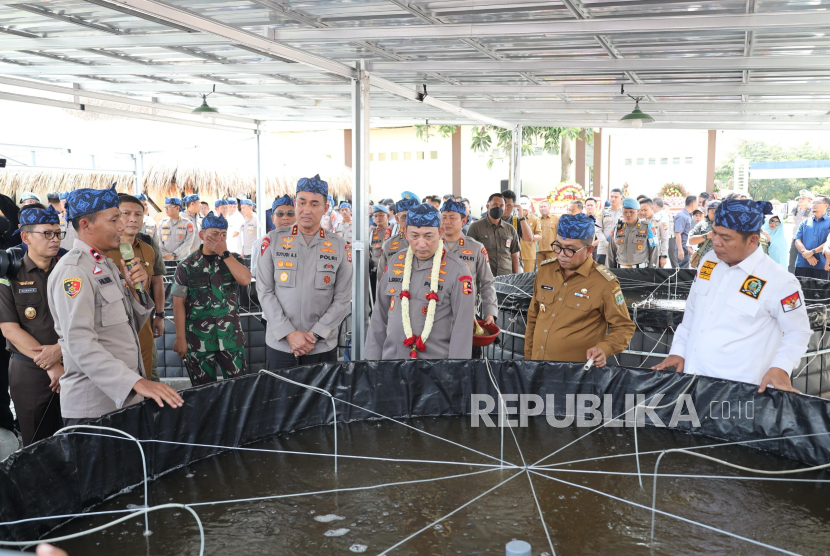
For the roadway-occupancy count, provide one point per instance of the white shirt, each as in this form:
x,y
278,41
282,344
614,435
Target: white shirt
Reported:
x,y
256,251
742,320
235,222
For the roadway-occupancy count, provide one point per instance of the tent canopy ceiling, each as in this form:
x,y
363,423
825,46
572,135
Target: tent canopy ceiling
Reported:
x,y
739,64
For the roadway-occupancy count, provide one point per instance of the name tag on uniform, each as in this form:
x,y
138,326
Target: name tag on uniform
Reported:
x,y
507,243
104,281
27,290
549,288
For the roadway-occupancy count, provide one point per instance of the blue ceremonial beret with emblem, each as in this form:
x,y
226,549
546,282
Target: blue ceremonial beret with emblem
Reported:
x,y
220,203
190,198
313,185
34,216
285,200
173,201
63,195
230,201
213,221
246,202
423,216
345,205
141,197
412,196
631,203
454,206
575,226
406,204
742,215
86,201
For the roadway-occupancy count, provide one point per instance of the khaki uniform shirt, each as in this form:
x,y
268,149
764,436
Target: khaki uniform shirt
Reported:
x,y
147,255
249,235
345,230
475,256
548,225
528,250
452,331
500,241
376,245
605,227
568,316
633,246
391,247
97,321
23,300
303,287
176,237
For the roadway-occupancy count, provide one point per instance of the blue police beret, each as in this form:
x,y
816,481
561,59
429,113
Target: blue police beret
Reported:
x,y
230,201
285,200
406,204
34,216
220,203
575,226
631,203
742,215
190,198
313,185
173,201
246,202
86,201
423,216
379,208
411,195
345,205
214,221
29,195
454,206
141,197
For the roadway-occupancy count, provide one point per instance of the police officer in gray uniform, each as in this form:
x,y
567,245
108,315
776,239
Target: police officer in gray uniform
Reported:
x,y
304,282
608,220
424,318
633,244
98,315
471,252
175,234
192,204
249,226
659,228
397,243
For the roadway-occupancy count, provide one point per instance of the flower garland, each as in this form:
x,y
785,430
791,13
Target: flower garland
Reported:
x,y
413,342
566,191
673,190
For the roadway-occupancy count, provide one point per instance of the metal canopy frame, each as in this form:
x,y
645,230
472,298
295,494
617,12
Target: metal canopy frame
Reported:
x,y
499,62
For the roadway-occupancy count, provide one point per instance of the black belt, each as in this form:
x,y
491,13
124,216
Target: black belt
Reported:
x,y
23,357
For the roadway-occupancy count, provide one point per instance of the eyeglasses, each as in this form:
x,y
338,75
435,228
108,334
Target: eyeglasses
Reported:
x,y
567,251
280,213
49,235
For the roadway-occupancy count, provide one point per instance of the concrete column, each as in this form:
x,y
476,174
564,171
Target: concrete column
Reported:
x,y
597,164
710,162
456,162
360,210
579,173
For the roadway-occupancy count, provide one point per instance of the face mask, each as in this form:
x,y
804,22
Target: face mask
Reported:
x,y
496,212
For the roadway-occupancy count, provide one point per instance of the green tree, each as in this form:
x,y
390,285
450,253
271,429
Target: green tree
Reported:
x,y
782,189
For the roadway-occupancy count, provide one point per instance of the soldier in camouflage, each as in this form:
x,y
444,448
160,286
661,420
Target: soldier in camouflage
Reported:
x,y
205,307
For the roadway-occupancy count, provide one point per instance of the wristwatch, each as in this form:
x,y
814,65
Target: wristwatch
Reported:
x,y
160,315
225,255
318,336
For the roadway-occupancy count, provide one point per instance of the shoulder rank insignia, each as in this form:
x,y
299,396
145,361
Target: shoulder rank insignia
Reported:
x,y
546,261
607,274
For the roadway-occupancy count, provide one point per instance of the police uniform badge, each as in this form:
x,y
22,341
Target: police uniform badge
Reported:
x,y
30,313
72,286
791,303
284,277
466,284
753,286
705,272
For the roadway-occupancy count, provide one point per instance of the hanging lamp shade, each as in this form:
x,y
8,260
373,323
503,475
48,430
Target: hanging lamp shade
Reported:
x,y
637,117
204,110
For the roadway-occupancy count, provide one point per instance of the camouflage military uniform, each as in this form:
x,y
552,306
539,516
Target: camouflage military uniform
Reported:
x,y
213,331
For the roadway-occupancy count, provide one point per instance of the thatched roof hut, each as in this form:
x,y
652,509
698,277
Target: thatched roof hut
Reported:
x,y
13,182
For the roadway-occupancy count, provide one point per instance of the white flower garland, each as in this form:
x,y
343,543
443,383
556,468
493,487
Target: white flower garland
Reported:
x,y
411,340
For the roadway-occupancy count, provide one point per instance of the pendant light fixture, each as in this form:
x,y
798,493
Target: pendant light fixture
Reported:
x,y
204,110
637,117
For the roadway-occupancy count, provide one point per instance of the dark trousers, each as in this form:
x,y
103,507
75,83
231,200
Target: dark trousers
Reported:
x,y
6,417
811,272
601,259
73,422
38,408
793,257
275,359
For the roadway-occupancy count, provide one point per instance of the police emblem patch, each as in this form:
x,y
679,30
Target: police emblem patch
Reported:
x,y
753,286
326,279
30,313
72,286
280,263
265,243
791,303
466,251
618,296
705,272
284,277
639,248
466,284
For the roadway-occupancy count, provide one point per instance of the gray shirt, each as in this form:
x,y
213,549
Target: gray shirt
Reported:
x,y
605,226
683,224
97,321
475,256
391,247
305,287
633,246
176,237
249,236
345,230
452,331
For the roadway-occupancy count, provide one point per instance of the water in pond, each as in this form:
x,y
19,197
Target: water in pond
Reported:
x,y
790,515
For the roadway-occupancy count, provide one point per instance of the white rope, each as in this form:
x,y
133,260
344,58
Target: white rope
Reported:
x,y
143,511
440,519
686,520
143,461
722,462
681,475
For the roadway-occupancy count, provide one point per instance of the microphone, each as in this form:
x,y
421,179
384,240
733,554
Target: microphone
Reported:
x,y
128,255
